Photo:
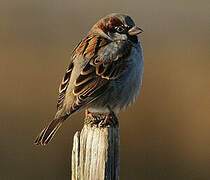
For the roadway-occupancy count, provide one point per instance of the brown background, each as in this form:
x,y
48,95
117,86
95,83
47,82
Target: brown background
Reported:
x,y
164,136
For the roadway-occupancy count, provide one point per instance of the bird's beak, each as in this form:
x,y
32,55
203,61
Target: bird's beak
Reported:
x,y
135,31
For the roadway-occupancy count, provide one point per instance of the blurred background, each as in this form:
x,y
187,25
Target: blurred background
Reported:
x,y
164,136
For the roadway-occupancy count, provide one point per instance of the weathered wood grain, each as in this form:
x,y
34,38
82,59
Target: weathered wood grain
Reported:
x,y
96,150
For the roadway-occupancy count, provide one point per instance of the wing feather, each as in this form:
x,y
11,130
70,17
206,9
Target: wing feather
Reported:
x,y
104,61
100,71
64,85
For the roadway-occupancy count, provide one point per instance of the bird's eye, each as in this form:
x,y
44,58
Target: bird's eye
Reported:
x,y
120,29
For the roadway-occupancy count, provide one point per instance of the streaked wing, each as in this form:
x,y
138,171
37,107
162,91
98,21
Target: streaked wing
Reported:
x,y
65,81
105,62
63,86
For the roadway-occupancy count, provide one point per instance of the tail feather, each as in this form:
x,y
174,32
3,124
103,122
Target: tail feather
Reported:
x,y
48,133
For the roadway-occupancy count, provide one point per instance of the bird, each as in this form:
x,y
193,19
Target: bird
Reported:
x,y
104,74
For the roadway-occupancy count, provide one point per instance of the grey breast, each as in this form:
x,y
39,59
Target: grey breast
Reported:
x,y
126,87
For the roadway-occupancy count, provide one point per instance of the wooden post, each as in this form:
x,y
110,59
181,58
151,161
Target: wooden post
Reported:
x,y
96,150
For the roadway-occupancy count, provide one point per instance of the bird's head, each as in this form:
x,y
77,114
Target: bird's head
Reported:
x,y
117,27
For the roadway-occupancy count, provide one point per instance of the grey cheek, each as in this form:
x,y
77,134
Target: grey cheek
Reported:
x,y
123,37
117,36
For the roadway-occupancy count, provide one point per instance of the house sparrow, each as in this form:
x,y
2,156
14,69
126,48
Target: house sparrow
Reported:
x,y
104,75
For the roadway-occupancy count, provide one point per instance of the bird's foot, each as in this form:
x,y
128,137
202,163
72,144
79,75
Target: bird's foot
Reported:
x,y
101,119
111,119
88,114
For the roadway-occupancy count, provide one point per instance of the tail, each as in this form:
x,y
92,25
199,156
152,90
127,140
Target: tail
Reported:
x,y
48,133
